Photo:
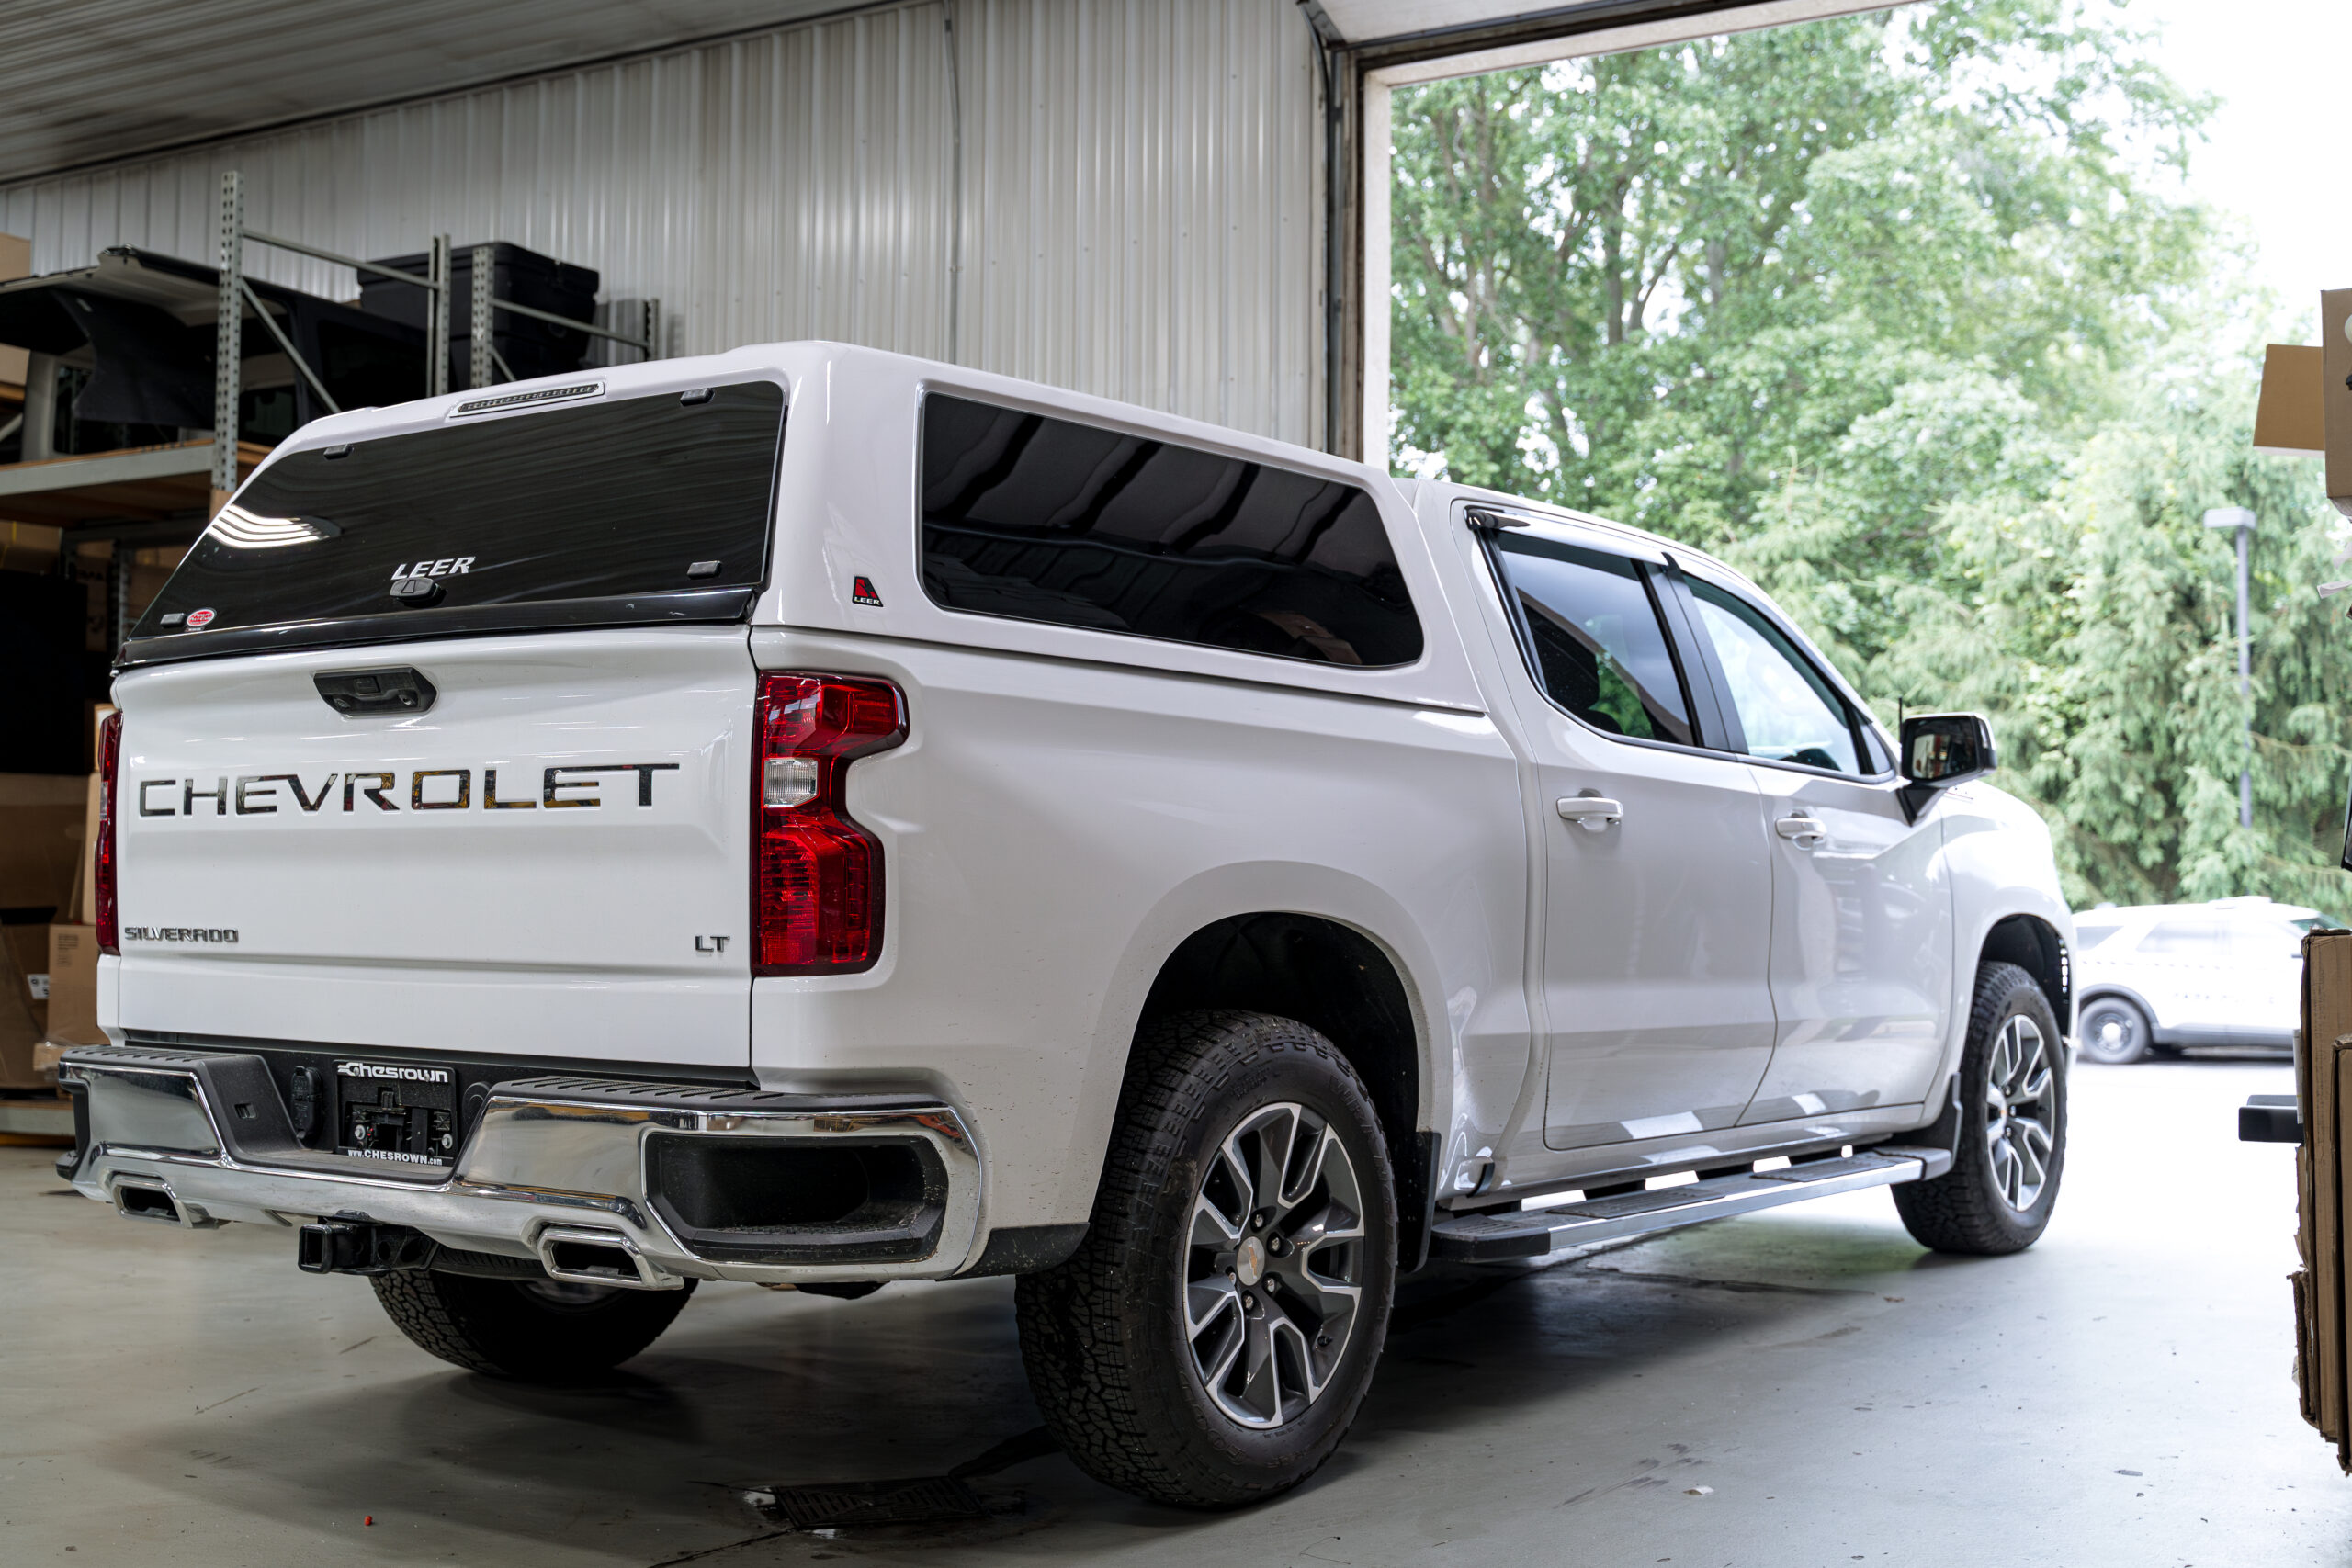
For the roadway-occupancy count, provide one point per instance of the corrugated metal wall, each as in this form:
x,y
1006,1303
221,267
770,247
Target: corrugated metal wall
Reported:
x,y
1140,198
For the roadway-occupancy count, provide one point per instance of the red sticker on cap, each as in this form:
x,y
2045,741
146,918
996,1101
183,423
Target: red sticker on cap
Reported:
x,y
861,592
198,619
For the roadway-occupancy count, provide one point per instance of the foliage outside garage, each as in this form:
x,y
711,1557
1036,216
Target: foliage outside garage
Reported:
x,y
1902,314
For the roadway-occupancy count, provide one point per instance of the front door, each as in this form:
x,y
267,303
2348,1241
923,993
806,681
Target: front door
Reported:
x,y
1656,914
1862,899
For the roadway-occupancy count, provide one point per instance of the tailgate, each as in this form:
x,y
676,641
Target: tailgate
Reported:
x,y
550,860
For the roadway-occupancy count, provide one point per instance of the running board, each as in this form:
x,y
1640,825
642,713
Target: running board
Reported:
x,y
1492,1238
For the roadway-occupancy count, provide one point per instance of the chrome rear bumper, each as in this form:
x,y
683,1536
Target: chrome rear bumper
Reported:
x,y
209,1131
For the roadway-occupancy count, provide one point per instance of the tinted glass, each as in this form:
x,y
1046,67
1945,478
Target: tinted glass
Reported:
x,y
1593,638
1047,520
612,499
2257,939
2199,937
2088,936
1790,713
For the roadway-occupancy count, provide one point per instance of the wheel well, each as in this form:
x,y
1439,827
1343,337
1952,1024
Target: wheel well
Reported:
x,y
1336,982
2033,946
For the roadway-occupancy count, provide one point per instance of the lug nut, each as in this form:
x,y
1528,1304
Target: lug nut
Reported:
x,y
1249,1301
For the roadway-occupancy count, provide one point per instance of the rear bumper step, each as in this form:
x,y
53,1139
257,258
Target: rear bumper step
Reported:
x,y
1494,1238
604,1180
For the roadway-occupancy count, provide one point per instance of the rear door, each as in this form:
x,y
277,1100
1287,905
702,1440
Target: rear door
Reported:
x,y
1656,926
2265,979
2182,966
1862,905
506,813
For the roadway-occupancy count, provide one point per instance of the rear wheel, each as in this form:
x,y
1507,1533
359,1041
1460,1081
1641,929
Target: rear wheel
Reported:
x,y
2114,1031
545,1331
1209,1343
2003,1185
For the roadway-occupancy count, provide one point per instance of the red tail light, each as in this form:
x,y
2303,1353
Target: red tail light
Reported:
x,y
102,866
816,875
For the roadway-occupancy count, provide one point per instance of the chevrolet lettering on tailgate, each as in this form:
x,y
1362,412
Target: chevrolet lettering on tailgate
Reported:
x,y
429,789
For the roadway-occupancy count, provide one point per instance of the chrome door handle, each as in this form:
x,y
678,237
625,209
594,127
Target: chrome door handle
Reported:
x,y
1592,813
1805,832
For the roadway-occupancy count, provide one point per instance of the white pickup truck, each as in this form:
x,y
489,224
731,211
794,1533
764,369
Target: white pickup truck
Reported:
x,y
812,816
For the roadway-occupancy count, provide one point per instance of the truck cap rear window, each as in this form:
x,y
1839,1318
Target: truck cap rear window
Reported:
x,y
642,509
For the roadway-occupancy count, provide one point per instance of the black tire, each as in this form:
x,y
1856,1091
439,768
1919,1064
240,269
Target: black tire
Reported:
x,y
2114,1031
1983,1206
541,1331
1109,1336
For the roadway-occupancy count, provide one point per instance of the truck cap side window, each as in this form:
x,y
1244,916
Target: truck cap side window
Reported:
x,y
613,508
1787,711
1042,519
1594,642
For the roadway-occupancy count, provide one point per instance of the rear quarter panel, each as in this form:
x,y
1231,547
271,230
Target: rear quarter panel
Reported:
x,y
1054,829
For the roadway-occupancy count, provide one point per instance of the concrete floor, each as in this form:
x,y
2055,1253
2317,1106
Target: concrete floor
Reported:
x,y
1802,1388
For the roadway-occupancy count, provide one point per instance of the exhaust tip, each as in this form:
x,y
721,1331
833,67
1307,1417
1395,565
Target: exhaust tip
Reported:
x,y
144,1201
585,1257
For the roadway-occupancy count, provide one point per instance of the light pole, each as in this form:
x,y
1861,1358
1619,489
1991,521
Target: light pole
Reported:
x,y
2241,520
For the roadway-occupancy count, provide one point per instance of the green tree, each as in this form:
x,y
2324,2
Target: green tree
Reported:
x,y
2096,624
1896,313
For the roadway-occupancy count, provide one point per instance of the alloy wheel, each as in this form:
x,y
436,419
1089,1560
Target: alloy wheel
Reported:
x,y
2110,1032
1275,1265
2020,1111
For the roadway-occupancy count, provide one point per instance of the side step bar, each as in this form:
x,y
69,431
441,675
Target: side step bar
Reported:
x,y
1494,1238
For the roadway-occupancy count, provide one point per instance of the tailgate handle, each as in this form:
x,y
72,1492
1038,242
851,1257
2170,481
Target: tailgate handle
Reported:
x,y
357,693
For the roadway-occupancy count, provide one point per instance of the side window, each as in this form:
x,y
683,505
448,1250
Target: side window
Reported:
x,y
1593,638
2089,935
1790,713
2257,941
1044,519
2195,936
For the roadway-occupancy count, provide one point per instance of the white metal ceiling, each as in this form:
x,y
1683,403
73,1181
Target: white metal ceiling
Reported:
x,y
98,81
104,79
1139,202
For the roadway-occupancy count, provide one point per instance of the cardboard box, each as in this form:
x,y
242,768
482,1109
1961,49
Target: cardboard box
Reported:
x,y
15,261
2336,408
2287,422
23,1021
28,546
72,961
42,820
2323,1183
80,909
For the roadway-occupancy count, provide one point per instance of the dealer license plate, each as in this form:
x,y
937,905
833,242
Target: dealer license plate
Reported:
x,y
403,1112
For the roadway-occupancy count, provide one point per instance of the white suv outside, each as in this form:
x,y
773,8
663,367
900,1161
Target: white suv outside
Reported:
x,y
2159,977
816,818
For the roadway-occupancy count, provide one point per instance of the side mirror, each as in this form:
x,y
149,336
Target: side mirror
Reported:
x,y
1940,749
